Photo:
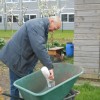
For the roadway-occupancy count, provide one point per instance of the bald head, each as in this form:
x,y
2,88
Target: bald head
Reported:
x,y
55,23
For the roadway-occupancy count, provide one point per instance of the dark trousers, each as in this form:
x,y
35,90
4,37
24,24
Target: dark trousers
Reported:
x,y
13,90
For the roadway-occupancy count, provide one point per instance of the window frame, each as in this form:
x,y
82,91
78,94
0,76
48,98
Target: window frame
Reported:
x,y
50,0
67,17
30,1
12,21
63,14
1,19
29,16
15,15
11,1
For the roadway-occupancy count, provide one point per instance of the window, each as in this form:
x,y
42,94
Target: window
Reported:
x,y
32,16
32,0
29,0
9,18
64,17
71,18
0,19
28,17
67,17
13,18
12,0
50,0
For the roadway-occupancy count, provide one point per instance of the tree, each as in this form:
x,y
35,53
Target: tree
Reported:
x,y
8,10
47,11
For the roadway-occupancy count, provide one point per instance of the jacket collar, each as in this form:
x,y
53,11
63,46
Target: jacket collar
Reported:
x,y
46,27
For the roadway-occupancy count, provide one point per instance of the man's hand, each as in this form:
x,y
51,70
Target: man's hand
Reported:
x,y
51,77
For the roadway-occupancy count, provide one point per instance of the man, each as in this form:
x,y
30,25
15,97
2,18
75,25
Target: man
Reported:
x,y
24,49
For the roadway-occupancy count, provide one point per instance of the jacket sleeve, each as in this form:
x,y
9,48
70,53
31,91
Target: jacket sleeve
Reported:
x,y
37,41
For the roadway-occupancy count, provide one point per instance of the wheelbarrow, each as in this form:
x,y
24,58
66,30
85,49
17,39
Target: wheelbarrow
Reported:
x,y
34,86
71,95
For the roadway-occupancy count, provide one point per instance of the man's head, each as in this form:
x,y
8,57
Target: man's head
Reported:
x,y
55,23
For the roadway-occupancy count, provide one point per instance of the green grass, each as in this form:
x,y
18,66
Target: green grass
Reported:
x,y
66,34
87,92
69,59
63,35
6,34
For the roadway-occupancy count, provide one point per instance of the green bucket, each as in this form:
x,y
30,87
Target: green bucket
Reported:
x,y
34,86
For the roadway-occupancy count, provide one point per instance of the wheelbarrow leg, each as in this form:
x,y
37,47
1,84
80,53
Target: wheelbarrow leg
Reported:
x,y
71,95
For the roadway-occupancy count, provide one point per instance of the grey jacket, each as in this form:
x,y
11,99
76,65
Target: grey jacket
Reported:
x,y
28,45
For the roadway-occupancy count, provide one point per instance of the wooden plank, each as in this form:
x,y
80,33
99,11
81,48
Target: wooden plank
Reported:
x,y
86,54
91,70
52,53
86,59
92,1
91,76
87,48
79,1
55,48
86,42
88,19
93,13
87,2
87,36
87,65
86,30
87,25
87,7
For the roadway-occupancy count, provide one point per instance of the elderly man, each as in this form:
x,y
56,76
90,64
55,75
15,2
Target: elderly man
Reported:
x,y
24,49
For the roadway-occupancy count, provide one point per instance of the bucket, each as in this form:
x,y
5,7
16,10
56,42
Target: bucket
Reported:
x,y
69,49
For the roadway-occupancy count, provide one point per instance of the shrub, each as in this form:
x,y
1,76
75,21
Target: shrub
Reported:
x,y
2,42
56,43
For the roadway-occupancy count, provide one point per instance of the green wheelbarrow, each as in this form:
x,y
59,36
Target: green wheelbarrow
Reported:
x,y
34,86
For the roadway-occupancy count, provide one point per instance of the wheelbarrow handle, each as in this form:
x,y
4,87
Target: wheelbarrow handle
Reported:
x,y
12,96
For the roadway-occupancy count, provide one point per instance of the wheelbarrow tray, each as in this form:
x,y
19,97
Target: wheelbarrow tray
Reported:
x,y
34,86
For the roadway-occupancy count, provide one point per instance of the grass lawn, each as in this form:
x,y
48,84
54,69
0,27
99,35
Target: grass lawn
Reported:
x,y
87,92
61,37
6,34
66,34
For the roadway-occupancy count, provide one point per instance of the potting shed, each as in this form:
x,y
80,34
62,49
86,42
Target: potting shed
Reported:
x,y
87,37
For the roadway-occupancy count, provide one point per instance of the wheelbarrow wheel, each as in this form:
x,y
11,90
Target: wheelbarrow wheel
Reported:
x,y
71,95
72,92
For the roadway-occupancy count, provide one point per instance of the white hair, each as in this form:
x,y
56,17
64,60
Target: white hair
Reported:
x,y
56,18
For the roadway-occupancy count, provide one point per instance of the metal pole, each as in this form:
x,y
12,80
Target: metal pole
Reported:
x,y
5,16
21,13
99,57
59,6
62,24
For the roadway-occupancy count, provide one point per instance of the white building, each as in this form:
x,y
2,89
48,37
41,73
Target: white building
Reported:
x,y
12,10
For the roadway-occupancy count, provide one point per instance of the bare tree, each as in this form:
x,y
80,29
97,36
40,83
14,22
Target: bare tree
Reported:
x,y
8,13
47,11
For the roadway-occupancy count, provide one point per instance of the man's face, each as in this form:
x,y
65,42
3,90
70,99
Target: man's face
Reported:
x,y
54,26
